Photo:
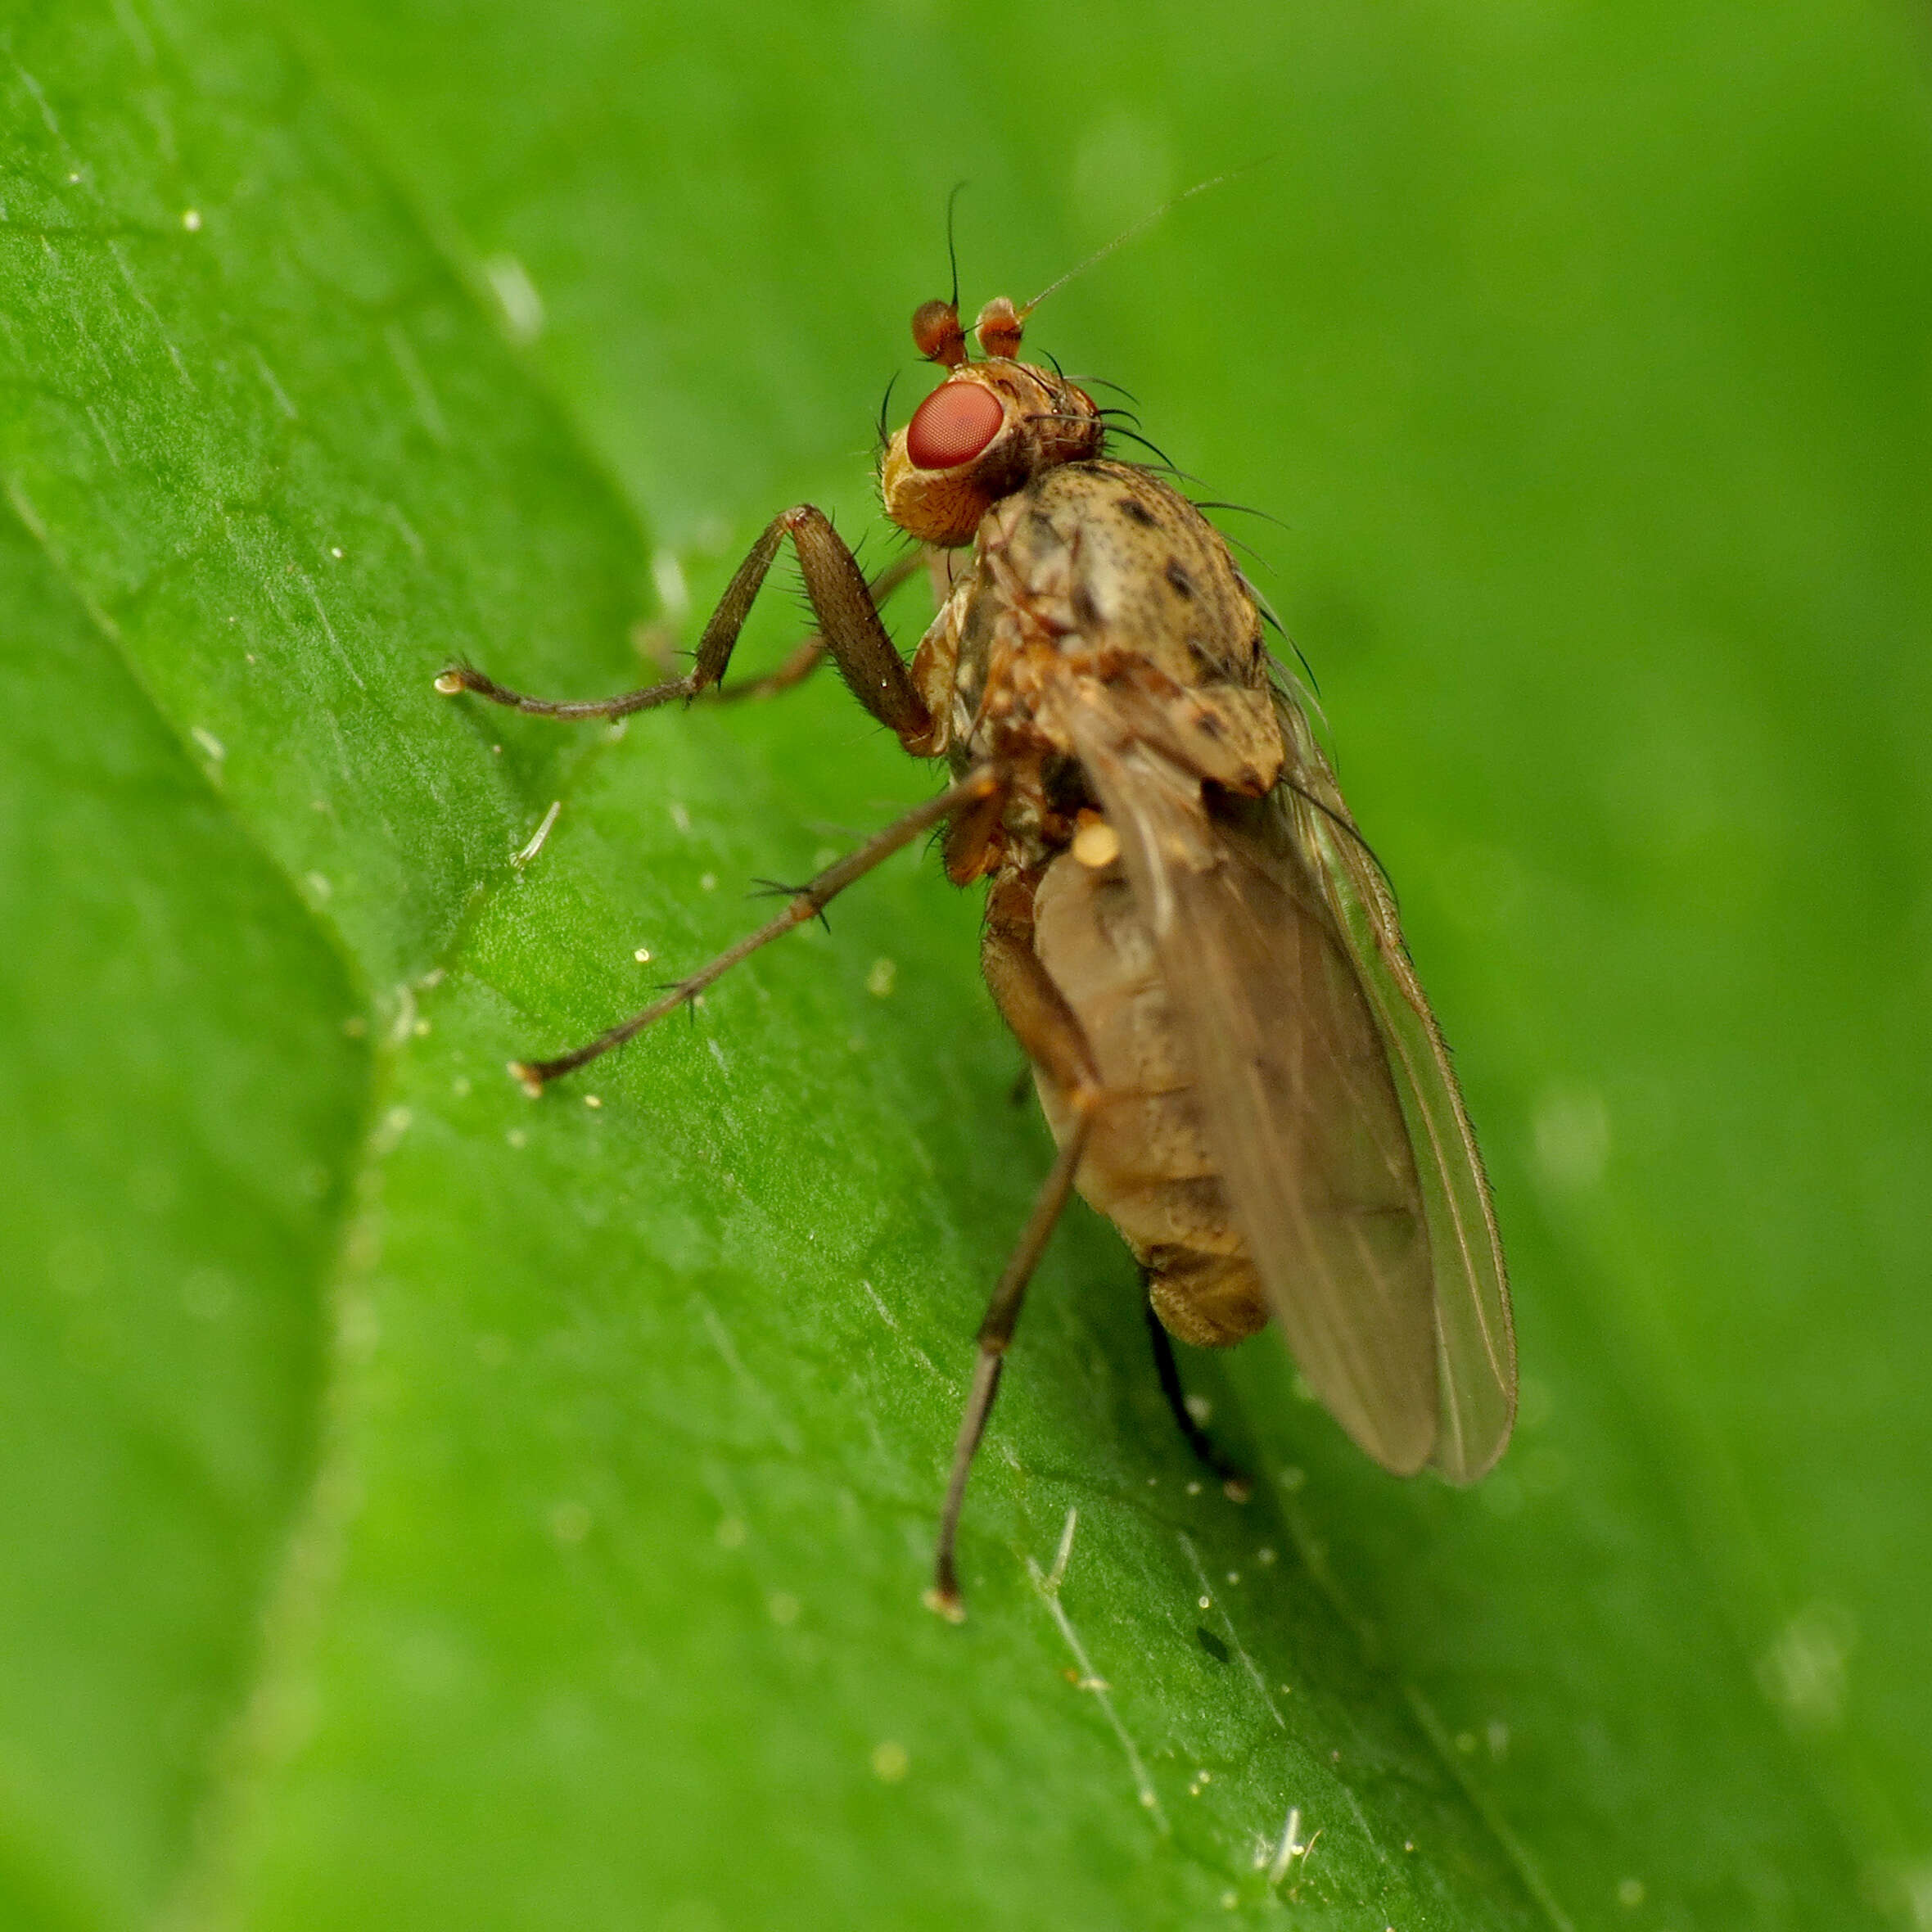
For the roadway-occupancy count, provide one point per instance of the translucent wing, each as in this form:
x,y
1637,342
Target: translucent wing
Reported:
x,y
1297,1101
1326,1093
1475,1339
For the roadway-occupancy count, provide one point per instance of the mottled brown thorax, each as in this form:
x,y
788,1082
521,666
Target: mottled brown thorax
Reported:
x,y
1099,570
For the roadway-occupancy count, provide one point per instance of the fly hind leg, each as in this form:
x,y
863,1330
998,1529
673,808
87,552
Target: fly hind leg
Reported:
x,y
1233,1480
1055,1041
995,1336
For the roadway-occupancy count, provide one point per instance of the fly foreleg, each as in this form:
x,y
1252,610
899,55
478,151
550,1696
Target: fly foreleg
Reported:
x,y
809,653
714,653
849,624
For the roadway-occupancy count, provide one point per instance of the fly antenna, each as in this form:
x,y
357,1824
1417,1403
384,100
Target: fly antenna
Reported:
x,y
1139,227
952,253
936,330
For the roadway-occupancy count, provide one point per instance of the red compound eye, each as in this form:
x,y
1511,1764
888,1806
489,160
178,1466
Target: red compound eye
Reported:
x,y
952,426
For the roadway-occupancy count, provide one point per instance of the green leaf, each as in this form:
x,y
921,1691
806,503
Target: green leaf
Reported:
x,y
426,1508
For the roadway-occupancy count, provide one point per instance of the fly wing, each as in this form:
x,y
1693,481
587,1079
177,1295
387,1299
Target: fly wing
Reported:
x,y
1475,1340
1298,1097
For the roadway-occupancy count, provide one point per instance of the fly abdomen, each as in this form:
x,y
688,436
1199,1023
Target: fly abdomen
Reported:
x,y
1147,1166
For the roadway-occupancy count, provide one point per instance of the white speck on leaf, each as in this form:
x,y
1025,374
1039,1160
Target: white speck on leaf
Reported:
x,y
516,296
1058,1574
667,575
537,837
1090,1679
1290,1849
1803,1672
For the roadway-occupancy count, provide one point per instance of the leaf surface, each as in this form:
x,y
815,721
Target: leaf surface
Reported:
x,y
440,1510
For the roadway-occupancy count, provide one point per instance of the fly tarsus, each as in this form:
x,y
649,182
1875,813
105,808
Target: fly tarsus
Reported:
x,y
466,677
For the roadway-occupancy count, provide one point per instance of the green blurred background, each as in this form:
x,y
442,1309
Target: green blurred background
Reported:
x,y
422,1509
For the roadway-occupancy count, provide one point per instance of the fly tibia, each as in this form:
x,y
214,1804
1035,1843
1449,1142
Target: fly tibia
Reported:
x,y
1235,1484
808,903
772,888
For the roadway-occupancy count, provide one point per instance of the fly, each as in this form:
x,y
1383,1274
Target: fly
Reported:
x,y
1185,929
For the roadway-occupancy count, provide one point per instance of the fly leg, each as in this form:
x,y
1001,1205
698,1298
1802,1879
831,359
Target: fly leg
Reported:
x,y
848,621
805,905
714,653
1029,1001
1055,1041
809,653
1232,1479
996,1332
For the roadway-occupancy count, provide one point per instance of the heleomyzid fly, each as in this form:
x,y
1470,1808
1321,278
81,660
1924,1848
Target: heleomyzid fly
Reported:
x,y
1184,929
